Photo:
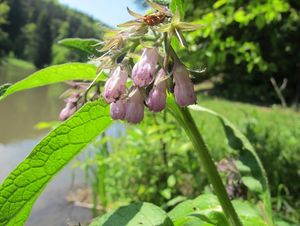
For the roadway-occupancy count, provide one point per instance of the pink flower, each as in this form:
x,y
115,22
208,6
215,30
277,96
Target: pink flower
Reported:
x,y
143,71
118,109
115,86
70,108
184,88
156,100
135,107
68,111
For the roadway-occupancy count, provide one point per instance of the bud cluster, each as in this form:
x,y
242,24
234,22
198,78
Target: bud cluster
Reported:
x,y
146,75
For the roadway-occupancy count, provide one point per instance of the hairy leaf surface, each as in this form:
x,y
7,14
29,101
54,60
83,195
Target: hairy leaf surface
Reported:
x,y
22,187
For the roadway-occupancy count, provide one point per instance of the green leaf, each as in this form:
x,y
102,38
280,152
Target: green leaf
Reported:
x,y
206,210
3,88
22,187
248,157
162,2
50,75
144,214
248,214
253,184
178,5
219,3
85,45
205,207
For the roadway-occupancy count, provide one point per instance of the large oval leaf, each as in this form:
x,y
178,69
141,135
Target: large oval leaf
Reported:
x,y
143,214
22,187
50,75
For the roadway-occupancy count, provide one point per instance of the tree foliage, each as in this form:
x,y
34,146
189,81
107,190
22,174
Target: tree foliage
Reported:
x,y
248,42
33,27
4,9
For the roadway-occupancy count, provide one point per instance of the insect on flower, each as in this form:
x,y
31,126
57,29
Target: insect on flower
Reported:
x,y
154,19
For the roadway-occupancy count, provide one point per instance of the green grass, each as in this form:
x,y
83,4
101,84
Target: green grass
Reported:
x,y
13,70
20,63
274,133
279,122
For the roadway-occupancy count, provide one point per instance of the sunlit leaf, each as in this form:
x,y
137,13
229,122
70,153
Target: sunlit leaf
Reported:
x,y
178,5
145,214
51,75
219,3
85,45
249,215
205,207
253,184
25,183
162,2
206,210
3,88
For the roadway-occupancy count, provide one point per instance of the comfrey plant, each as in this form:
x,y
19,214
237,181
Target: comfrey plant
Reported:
x,y
157,70
137,67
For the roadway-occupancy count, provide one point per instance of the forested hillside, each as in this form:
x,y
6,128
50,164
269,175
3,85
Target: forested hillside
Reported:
x,y
30,29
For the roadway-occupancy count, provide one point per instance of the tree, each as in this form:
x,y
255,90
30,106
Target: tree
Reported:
x,y
248,42
4,10
43,52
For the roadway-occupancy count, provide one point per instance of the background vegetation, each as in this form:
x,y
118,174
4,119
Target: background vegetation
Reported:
x,y
155,162
246,43
30,30
242,45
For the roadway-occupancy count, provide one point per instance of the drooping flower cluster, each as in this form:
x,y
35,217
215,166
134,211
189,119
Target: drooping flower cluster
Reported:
x,y
146,75
158,71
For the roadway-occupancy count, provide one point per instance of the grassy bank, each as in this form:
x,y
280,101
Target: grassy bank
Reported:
x,y
12,70
274,133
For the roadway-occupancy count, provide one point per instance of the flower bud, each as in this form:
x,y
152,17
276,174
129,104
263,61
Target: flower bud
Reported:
x,y
67,112
184,88
156,100
143,71
135,107
115,86
118,109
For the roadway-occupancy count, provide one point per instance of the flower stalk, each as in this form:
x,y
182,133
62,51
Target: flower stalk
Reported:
x,y
183,116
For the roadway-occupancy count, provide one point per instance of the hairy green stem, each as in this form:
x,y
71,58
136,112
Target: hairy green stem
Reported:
x,y
183,116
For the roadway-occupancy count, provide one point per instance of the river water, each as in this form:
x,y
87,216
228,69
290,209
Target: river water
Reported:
x,y
19,114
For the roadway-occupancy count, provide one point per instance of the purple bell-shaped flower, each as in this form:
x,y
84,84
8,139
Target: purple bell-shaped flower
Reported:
x,y
118,109
184,88
135,107
156,100
143,71
115,86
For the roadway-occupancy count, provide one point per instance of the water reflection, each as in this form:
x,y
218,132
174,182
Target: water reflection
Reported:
x,y
22,111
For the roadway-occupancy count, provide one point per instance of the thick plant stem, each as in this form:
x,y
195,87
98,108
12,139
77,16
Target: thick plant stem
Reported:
x,y
184,117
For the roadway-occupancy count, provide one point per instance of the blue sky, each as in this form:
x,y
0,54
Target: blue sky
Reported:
x,y
111,12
